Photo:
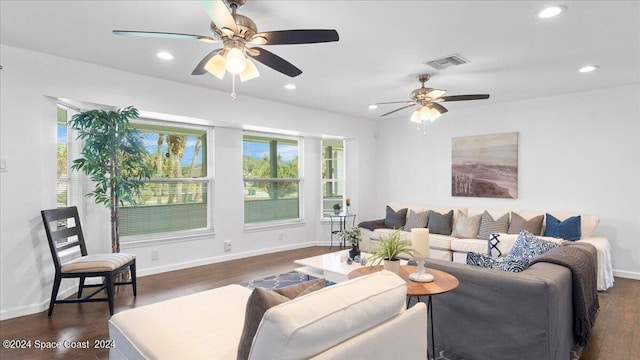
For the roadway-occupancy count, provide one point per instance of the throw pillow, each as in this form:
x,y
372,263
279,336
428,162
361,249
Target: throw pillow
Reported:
x,y
489,226
527,247
440,223
533,225
395,219
258,303
504,264
417,220
466,227
304,288
568,229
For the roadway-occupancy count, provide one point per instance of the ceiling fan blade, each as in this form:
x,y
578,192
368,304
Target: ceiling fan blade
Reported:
x,y
391,112
220,15
163,35
284,37
275,62
441,109
200,70
395,102
465,97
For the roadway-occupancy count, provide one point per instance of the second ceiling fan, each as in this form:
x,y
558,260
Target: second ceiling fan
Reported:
x,y
428,101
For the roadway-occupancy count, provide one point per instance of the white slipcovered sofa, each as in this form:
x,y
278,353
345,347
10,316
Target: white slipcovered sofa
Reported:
x,y
447,247
358,319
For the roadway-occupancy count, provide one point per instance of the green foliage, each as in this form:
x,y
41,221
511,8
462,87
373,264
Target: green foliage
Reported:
x,y
351,235
261,169
389,247
113,155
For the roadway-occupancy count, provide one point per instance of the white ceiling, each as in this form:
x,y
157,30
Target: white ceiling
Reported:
x,y
383,46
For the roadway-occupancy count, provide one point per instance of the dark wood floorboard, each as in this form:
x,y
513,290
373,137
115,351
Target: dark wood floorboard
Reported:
x,y
616,334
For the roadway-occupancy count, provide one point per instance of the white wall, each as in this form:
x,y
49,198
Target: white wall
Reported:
x,y
577,152
28,144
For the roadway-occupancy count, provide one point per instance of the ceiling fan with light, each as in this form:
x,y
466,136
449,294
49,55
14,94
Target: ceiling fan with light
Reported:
x,y
236,32
428,101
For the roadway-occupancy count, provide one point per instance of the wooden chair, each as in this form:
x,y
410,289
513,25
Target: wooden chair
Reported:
x,y
66,240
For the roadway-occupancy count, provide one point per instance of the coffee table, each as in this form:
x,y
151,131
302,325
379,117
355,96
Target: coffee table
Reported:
x,y
331,266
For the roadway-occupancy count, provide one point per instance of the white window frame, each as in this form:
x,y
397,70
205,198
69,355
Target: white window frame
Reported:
x,y
293,222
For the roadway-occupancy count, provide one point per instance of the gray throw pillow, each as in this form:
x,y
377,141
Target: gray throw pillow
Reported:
x,y
417,220
440,223
518,223
258,303
304,288
395,219
489,226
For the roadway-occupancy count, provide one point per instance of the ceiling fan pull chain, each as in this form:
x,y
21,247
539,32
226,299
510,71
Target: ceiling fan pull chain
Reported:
x,y
234,96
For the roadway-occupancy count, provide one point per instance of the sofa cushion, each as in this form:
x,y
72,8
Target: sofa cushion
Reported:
x,y
527,247
304,288
416,220
569,229
533,225
467,245
308,325
498,263
489,226
440,223
466,227
395,219
258,303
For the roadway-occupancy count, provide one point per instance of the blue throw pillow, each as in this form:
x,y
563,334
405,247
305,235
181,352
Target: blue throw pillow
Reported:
x,y
568,229
527,247
499,263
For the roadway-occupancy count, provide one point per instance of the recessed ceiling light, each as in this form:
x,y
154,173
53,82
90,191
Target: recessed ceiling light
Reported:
x,y
290,86
373,107
551,11
588,68
165,55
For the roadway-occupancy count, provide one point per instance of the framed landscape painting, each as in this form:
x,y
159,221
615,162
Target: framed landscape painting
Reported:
x,y
485,166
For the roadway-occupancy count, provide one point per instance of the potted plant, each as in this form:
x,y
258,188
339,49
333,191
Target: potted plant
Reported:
x,y
352,235
113,156
389,247
336,208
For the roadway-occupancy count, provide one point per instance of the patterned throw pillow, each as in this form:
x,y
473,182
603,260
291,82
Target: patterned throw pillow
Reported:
x,y
466,227
395,219
569,229
533,225
440,223
489,226
417,220
504,264
527,247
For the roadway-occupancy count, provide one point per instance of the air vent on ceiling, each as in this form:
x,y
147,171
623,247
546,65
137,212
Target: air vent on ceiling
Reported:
x,y
447,61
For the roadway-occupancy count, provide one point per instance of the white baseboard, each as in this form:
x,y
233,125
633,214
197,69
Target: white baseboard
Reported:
x,y
627,274
36,308
226,257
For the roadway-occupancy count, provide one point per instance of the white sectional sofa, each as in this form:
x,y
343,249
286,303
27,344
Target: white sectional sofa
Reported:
x,y
364,318
447,247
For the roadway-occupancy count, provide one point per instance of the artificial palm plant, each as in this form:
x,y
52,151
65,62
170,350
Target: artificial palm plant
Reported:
x,y
389,248
113,157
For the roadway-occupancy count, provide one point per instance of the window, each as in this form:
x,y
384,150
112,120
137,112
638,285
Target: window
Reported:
x,y
62,187
333,169
271,178
176,198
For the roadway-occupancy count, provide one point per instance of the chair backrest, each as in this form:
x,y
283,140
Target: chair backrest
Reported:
x,y
63,231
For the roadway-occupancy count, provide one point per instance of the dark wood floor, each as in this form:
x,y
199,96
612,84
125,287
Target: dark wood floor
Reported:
x,y
616,334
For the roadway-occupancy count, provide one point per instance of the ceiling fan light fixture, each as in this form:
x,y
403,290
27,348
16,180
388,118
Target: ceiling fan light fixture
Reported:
x,y
415,117
217,66
236,61
434,114
250,71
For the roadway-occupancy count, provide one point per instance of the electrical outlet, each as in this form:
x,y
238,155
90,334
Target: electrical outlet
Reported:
x,y
227,245
154,255
280,236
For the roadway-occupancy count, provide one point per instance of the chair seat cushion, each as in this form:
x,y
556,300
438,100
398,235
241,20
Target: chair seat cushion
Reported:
x,y
96,263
